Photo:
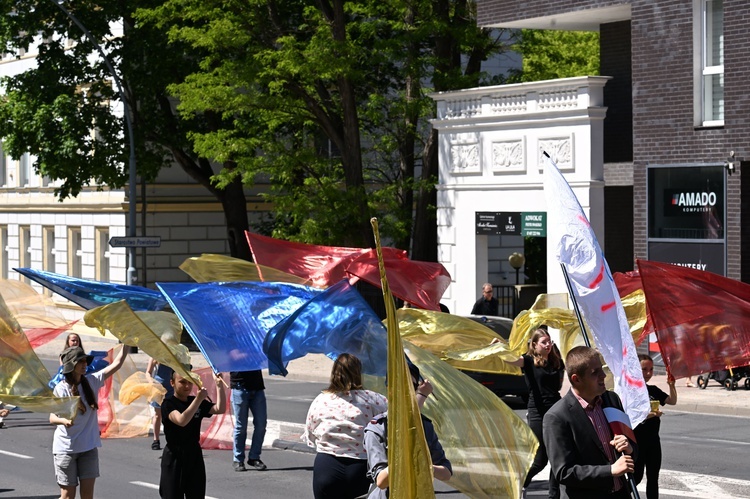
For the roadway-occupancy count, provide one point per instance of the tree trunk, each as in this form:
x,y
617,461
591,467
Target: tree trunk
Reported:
x,y
425,219
234,202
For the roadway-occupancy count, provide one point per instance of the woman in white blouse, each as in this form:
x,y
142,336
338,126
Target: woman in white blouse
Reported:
x,y
335,427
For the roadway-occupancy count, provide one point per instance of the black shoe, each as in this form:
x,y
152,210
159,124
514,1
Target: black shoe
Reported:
x,y
156,445
2,425
257,464
237,466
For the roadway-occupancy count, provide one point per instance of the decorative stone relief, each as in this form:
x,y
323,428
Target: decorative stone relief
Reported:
x,y
508,156
465,158
560,149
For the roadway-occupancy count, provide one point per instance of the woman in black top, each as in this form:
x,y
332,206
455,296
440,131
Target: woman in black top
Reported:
x,y
543,369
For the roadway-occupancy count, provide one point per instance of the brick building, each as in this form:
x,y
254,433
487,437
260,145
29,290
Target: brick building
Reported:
x,y
676,129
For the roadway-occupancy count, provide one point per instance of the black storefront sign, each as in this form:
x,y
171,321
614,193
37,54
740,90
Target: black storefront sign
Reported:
x,y
686,216
506,223
699,256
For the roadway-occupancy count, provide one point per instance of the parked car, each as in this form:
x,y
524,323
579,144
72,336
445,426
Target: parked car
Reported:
x,y
500,384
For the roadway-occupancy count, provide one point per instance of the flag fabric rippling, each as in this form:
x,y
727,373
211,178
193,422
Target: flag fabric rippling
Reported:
x,y
592,285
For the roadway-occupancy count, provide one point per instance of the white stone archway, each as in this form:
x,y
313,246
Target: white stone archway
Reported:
x,y
491,141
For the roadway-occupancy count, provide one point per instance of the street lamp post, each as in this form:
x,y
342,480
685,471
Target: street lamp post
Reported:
x,y
516,261
131,163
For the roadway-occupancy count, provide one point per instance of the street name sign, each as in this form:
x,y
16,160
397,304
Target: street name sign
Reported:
x,y
135,242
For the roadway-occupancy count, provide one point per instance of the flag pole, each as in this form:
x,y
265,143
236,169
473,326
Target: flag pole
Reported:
x,y
587,341
572,296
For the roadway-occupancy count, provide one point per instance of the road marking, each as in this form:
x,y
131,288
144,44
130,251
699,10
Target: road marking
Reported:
x,y
712,440
13,454
156,487
687,485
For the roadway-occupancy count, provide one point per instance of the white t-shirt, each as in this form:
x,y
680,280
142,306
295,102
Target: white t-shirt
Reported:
x,y
83,435
336,422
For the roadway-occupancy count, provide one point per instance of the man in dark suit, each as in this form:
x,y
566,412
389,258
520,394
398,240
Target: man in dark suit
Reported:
x,y
581,448
487,304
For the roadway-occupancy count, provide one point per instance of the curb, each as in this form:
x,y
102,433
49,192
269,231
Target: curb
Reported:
x,y
290,445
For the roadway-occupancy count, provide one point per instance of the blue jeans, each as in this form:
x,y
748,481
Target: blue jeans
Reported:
x,y
255,401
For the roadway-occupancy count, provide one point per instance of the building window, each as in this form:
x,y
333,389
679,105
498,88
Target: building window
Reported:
x,y
74,252
102,254
4,249
710,68
48,253
24,170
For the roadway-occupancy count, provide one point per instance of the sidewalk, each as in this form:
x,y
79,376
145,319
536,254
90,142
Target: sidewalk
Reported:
x,y
714,399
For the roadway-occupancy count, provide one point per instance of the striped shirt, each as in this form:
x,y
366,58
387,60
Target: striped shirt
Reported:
x,y
596,415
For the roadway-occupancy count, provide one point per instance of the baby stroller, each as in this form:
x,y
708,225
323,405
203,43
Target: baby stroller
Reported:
x,y
728,378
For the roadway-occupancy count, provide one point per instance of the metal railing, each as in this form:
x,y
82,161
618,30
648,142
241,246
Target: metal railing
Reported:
x,y
507,298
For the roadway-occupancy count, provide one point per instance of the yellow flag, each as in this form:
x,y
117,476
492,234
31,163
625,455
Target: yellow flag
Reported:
x,y
156,333
220,268
409,463
449,336
23,377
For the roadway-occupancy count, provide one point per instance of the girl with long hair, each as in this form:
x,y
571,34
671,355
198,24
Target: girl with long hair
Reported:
x,y
76,441
543,370
335,427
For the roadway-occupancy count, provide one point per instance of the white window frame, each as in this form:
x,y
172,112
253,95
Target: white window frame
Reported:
x,y
704,95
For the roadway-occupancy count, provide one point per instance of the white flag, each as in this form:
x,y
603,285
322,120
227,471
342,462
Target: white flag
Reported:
x,y
594,290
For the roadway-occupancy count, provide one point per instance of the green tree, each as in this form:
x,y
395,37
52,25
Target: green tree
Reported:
x,y
353,74
552,54
327,99
51,109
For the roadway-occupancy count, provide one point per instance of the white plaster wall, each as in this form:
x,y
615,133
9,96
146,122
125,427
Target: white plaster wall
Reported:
x,y
490,160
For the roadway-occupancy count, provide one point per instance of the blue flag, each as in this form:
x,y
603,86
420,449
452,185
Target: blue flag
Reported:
x,y
229,320
92,294
336,321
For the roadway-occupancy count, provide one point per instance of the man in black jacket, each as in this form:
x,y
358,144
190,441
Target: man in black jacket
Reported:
x,y
487,304
582,450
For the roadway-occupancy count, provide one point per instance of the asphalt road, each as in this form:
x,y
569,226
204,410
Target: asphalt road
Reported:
x,y
704,457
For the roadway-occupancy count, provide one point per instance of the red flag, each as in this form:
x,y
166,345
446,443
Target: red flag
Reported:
x,y
700,318
323,265
420,283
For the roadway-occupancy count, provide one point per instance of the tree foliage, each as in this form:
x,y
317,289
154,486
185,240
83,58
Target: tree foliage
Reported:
x,y
327,99
552,54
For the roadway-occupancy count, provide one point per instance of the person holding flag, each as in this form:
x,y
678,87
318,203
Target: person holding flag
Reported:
x,y
585,432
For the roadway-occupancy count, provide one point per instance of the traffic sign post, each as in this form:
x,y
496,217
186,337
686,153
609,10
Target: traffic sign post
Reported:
x,y
135,242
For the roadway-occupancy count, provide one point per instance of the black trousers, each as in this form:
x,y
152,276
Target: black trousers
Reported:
x,y
183,473
540,460
337,477
649,457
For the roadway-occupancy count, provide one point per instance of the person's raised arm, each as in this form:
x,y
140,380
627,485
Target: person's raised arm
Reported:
x,y
518,362
221,396
150,367
116,363
672,399
183,418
